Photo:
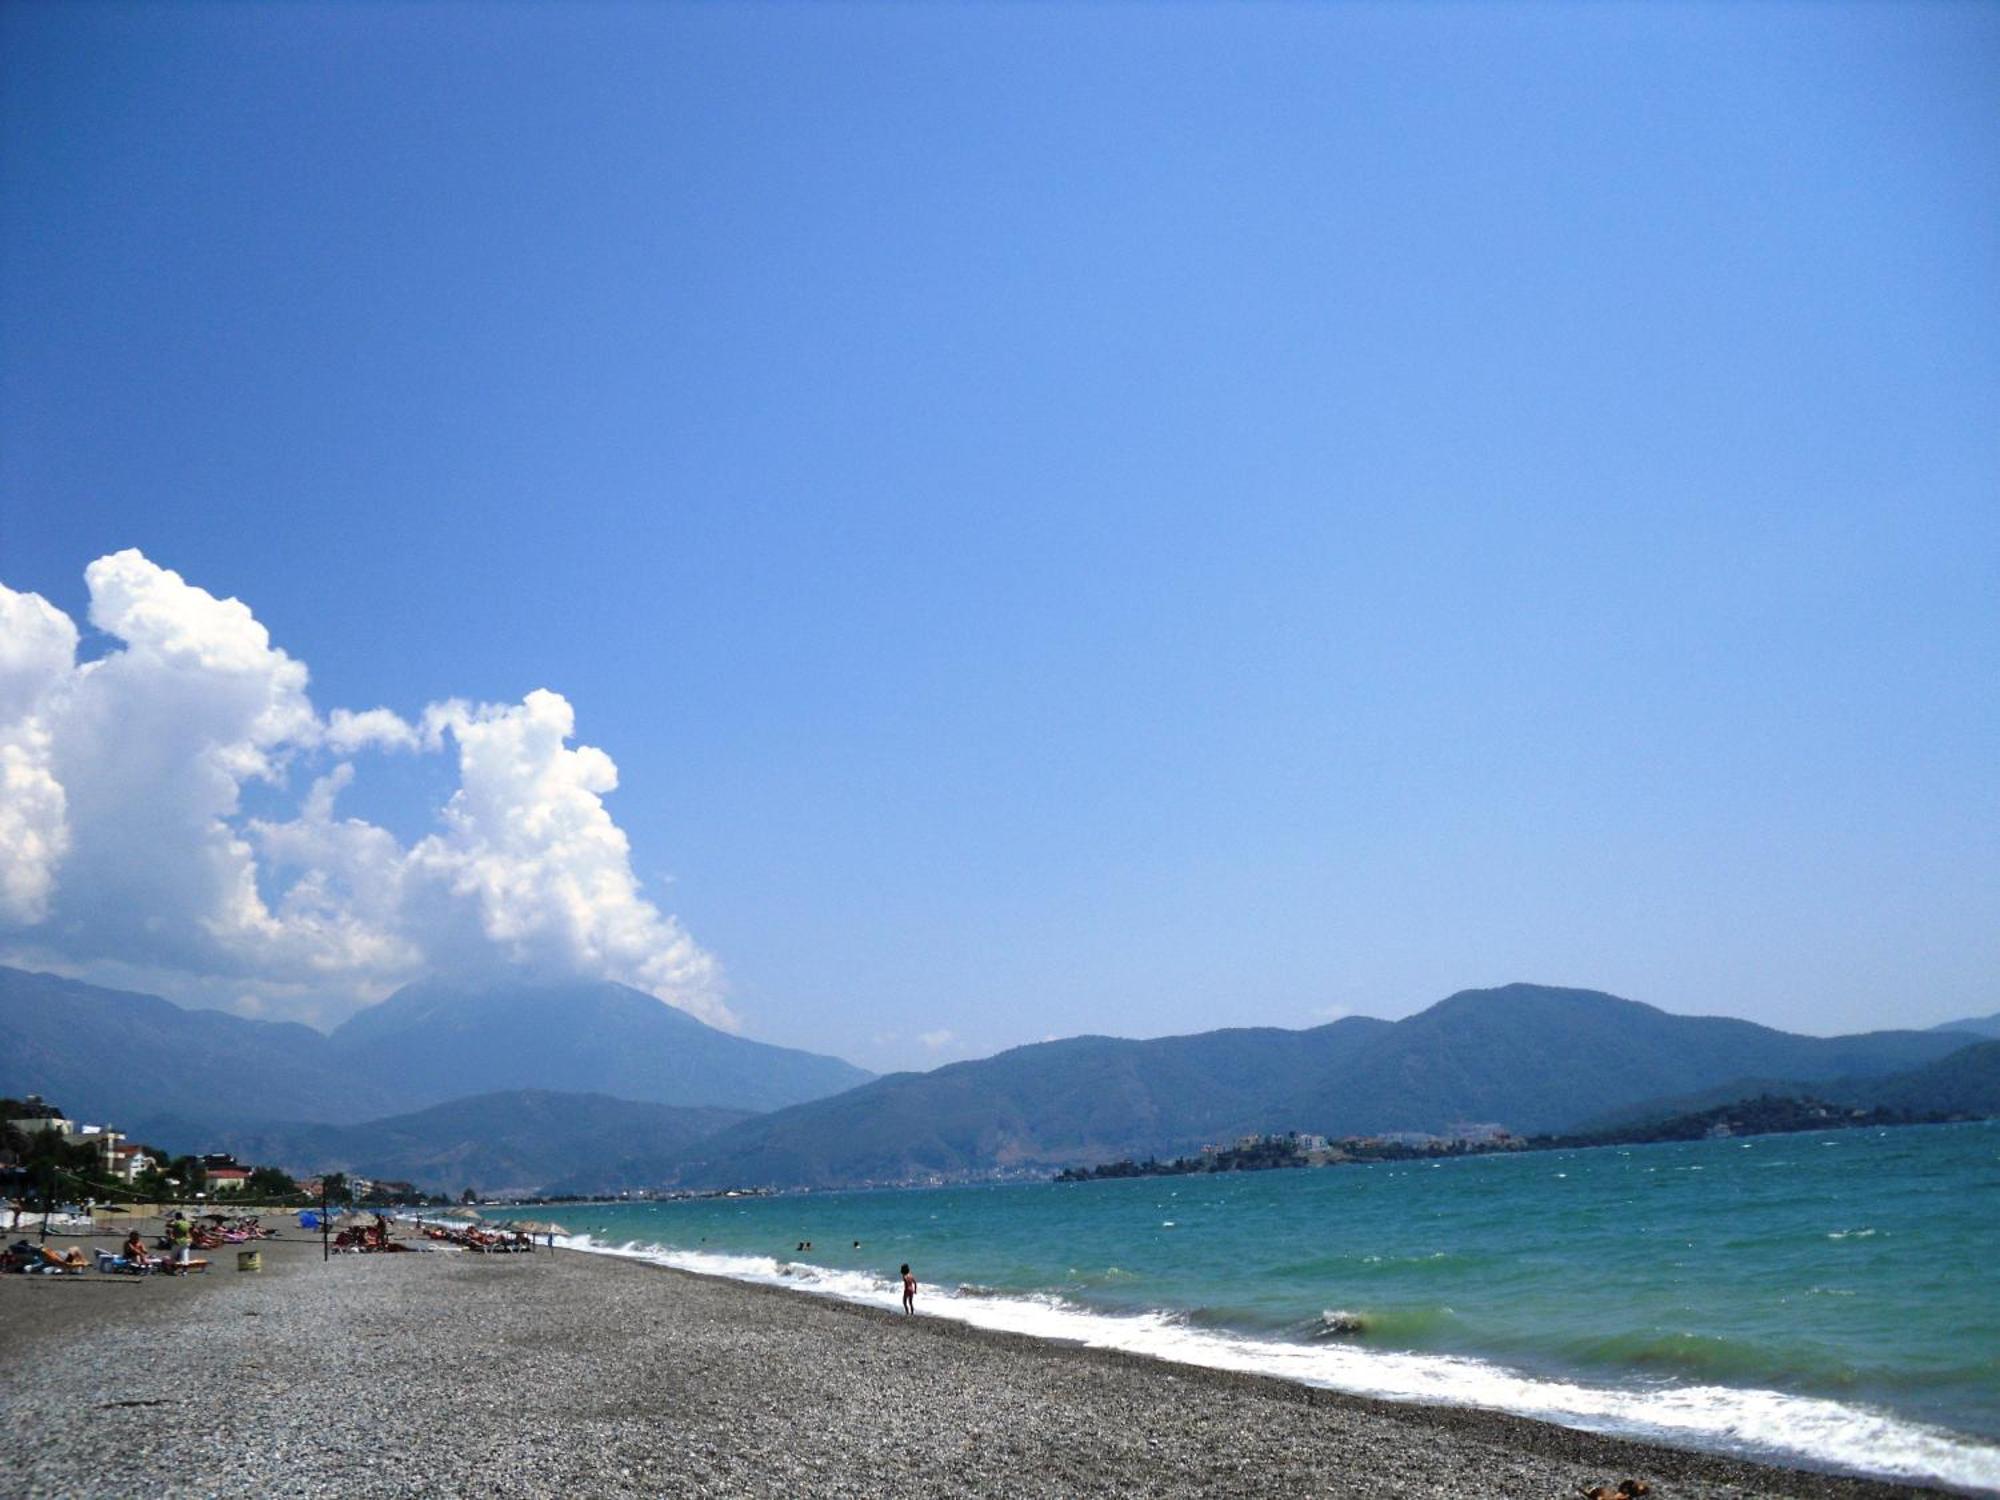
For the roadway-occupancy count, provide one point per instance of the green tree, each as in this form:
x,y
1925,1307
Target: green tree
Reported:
x,y
12,1137
152,1185
270,1182
62,1167
188,1175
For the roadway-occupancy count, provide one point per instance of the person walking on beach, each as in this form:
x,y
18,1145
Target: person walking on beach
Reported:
x,y
909,1291
180,1234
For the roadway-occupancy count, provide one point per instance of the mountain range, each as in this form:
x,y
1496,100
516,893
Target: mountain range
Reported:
x,y
507,1144
141,1060
594,1087
1977,1025
1964,1081
1531,1057
438,1040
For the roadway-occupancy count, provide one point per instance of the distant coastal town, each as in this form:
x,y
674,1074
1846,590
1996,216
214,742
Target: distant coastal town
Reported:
x,y
1767,1114
48,1159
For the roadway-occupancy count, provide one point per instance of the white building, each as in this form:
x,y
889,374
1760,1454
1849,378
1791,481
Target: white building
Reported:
x,y
110,1143
128,1163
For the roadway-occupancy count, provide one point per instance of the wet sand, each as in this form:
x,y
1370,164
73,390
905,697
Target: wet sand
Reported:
x,y
573,1374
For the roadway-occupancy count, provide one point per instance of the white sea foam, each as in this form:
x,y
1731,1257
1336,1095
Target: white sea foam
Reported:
x,y
1762,1424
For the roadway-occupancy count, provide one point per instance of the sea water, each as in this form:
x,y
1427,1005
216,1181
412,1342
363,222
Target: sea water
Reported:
x,y
1825,1299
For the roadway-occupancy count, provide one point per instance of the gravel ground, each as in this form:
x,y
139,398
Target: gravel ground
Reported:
x,y
578,1375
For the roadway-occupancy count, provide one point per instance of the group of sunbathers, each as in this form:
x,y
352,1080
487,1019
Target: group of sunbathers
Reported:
x,y
217,1231
181,1238
486,1241
367,1239
133,1257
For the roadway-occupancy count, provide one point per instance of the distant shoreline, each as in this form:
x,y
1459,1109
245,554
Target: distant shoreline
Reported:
x,y
1747,1119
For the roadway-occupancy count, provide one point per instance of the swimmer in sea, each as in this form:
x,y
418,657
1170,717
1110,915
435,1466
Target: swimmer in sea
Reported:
x,y
909,1291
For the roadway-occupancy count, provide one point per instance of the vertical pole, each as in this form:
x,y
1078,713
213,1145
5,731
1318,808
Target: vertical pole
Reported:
x,y
325,1250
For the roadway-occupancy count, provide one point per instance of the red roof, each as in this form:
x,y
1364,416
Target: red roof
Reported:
x,y
226,1172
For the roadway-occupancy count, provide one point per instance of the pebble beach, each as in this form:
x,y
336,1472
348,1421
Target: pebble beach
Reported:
x,y
573,1374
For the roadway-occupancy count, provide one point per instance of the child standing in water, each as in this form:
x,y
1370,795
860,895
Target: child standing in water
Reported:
x,y
909,1291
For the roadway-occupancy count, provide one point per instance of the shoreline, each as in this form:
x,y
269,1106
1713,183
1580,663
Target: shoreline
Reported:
x,y
594,1373
1523,1433
1444,1409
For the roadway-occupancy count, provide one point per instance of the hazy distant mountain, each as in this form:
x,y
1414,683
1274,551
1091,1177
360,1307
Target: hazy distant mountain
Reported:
x,y
503,1144
1527,1056
1530,1057
113,1055
1539,1058
1964,1081
1977,1025
1630,1112
1083,1099
135,1059
439,1040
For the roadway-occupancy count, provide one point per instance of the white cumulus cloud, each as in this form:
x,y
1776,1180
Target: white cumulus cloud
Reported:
x,y
124,843
37,654
347,731
529,845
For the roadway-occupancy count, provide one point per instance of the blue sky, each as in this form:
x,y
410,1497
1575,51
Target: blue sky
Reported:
x,y
1081,518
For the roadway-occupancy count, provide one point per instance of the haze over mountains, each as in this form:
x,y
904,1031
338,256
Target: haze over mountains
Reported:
x,y
1977,1025
595,1087
112,1054
511,1143
1531,1057
140,1059
437,1040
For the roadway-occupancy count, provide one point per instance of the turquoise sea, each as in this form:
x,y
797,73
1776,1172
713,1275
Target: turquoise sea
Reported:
x,y
1826,1299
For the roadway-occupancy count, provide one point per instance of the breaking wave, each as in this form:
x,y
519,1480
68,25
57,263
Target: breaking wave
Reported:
x,y
1334,1352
